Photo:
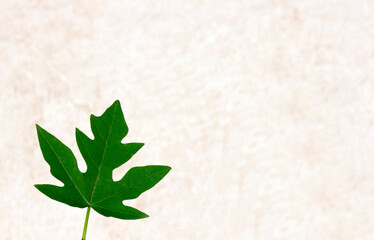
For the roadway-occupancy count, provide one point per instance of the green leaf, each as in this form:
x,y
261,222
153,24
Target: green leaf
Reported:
x,y
95,188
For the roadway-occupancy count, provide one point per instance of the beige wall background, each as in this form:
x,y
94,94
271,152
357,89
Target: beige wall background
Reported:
x,y
264,109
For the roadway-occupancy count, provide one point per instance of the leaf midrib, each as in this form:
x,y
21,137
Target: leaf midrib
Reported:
x,y
102,157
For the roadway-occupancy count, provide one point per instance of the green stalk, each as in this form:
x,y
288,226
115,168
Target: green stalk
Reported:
x,y
86,223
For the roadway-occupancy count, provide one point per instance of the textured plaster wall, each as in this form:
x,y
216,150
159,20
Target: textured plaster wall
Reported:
x,y
264,109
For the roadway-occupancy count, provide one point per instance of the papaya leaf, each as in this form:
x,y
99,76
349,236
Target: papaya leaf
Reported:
x,y
95,188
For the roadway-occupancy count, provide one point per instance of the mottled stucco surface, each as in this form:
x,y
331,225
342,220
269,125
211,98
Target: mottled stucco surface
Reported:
x,y
264,109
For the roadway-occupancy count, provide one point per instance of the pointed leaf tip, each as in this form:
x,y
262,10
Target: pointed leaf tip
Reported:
x,y
116,103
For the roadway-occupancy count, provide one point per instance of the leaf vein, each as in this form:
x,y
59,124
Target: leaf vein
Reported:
x,y
125,189
67,173
102,157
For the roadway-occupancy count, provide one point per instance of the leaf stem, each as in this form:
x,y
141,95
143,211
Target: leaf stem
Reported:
x,y
86,223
